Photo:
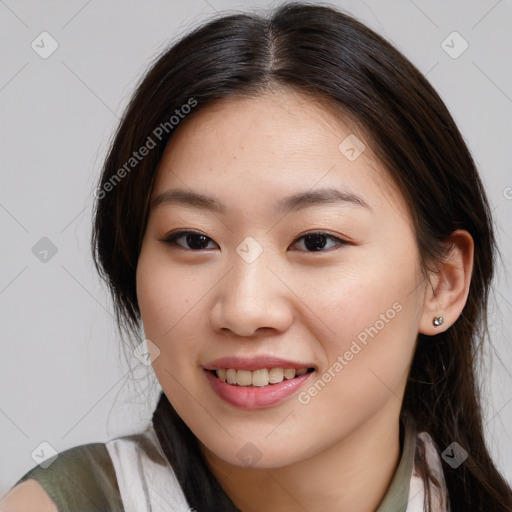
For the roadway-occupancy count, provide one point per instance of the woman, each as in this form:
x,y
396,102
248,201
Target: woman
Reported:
x,y
292,217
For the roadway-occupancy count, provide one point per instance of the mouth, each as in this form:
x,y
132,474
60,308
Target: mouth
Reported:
x,y
256,383
258,378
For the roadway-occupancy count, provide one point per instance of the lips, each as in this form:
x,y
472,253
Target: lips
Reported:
x,y
256,383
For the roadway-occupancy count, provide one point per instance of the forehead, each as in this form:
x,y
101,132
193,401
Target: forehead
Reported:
x,y
271,145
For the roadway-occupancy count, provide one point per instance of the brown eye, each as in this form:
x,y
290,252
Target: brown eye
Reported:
x,y
193,241
316,242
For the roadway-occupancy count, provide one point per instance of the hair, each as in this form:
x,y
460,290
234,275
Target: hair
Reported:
x,y
330,56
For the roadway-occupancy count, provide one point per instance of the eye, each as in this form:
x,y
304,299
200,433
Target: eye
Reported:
x,y
316,241
313,242
196,241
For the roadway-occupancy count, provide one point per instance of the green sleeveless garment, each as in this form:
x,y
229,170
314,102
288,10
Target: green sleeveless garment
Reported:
x,y
81,479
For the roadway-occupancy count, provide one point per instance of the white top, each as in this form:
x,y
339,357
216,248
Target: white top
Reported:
x,y
147,482
440,502
145,478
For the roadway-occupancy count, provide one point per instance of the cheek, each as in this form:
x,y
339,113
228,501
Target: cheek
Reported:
x,y
165,303
166,296
170,304
367,368
372,317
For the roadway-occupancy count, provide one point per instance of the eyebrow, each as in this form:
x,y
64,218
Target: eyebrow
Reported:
x,y
294,202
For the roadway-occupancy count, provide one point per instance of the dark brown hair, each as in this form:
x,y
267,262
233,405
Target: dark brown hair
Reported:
x,y
327,54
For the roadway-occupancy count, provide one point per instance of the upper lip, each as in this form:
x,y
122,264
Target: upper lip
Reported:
x,y
254,363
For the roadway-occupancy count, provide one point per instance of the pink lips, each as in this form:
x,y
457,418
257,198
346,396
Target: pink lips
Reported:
x,y
245,397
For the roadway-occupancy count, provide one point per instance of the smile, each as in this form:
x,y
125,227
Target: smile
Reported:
x,y
258,378
257,382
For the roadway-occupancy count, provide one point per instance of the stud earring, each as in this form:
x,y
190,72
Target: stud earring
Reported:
x,y
438,320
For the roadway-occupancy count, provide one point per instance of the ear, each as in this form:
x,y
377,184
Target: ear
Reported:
x,y
448,290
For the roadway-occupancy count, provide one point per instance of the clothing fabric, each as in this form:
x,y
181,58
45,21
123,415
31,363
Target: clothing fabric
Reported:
x,y
132,474
81,479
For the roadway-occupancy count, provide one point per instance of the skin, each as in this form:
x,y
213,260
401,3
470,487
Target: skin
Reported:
x,y
27,496
339,451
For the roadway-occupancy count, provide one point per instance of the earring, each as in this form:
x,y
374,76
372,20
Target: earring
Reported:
x,y
438,320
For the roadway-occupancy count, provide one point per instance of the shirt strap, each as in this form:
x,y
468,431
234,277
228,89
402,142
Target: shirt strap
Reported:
x,y
146,480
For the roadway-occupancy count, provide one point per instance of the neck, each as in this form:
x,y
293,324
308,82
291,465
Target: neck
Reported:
x,y
352,475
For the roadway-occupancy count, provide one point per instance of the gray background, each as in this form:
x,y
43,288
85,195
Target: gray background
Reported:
x,y
63,379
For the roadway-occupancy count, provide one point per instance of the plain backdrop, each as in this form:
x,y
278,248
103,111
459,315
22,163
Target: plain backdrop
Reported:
x,y
63,380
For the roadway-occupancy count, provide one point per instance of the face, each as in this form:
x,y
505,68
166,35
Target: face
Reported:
x,y
282,328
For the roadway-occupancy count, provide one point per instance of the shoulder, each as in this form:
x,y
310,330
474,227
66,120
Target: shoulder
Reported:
x,y
131,469
79,478
28,496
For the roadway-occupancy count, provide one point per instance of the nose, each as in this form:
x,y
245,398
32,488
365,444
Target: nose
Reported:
x,y
250,298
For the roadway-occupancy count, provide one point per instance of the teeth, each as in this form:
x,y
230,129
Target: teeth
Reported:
x,y
289,373
244,378
258,378
231,376
275,375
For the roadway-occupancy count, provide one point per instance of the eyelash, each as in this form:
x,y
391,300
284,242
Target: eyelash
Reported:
x,y
171,240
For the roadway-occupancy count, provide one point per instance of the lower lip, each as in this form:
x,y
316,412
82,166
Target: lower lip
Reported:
x,y
246,397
